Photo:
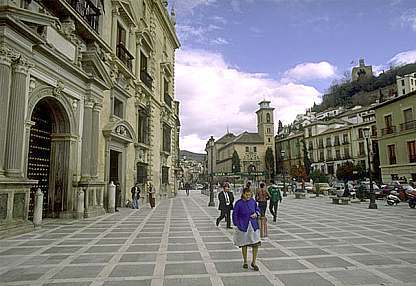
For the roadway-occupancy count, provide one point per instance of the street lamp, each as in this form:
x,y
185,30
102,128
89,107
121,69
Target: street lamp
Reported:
x,y
373,204
282,154
211,191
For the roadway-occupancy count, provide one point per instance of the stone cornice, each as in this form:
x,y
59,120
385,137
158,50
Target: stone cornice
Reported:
x,y
168,26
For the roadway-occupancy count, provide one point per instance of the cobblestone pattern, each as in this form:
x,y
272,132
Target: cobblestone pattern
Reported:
x,y
177,244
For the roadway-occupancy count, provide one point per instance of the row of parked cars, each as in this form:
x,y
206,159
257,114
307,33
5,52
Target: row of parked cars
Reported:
x,y
359,189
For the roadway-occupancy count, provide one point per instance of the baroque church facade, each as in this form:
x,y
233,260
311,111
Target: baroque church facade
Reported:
x,y
87,97
251,147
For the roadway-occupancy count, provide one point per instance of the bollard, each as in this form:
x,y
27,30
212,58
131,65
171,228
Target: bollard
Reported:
x,y
37,213
111,197
80,204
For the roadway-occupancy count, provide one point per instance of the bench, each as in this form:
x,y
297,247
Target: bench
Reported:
x,y
340,200
300,195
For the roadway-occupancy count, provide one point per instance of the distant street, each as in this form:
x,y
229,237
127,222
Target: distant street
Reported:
x,y
313,243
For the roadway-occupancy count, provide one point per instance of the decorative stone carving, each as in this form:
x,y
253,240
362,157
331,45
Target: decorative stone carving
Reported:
x,y
68,26
32,84
58,90
121,130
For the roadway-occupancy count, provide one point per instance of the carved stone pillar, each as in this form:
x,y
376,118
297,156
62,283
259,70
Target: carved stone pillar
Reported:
x,y
86,141
5,81
16,119
95,139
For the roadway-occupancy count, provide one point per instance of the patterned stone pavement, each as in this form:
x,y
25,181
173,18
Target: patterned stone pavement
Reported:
x,y
313,243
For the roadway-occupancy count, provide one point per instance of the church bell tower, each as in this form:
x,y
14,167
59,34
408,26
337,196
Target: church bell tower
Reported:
x,y
265,123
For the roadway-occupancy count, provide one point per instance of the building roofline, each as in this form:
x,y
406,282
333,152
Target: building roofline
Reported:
x,y
394,99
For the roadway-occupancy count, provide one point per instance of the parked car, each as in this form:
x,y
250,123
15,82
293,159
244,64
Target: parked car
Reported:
x,y
324,188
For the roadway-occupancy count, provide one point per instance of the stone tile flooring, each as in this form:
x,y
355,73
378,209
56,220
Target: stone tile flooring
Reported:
x,y
177,244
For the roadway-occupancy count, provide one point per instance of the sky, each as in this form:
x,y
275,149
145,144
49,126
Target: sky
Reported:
x,y
235,53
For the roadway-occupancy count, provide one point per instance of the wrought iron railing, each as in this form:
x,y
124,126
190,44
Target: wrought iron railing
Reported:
x,y
124,55
146,78
388,130
89,11
409,125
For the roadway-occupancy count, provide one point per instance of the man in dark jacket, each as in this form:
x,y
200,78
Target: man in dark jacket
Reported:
x,y
226,200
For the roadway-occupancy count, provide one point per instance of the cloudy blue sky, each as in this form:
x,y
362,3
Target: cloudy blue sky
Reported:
x,y
237,52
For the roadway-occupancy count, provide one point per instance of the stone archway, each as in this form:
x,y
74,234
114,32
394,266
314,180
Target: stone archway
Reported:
x,y
49,156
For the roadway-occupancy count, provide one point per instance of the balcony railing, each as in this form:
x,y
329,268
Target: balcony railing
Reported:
x,y
124,55
409,125
336,143
321,145
146,78
168,99
329,158
347,156
345,142
412,158
328,144
388,130
89,11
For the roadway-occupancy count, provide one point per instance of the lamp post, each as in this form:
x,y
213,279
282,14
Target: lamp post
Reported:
x,y
282,154
211,191
373,204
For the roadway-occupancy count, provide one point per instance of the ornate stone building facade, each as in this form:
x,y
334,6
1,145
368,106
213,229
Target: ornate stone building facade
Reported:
x,y
87,97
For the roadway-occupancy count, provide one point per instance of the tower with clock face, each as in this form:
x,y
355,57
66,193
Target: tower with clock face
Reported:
x,y
362,71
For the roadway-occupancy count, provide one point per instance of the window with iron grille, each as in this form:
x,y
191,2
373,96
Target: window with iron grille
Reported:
x,y
118,107
411,147
391,151
141,173
166,138
143,127
165,175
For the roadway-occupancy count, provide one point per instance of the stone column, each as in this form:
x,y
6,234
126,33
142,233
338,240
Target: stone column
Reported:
x,y
95,139
5,81
80,204
37,213
111,197
16,119
86,141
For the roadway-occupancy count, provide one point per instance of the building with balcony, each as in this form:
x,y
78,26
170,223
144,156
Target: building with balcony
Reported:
x,y
396,121
332,142
251,147
87,97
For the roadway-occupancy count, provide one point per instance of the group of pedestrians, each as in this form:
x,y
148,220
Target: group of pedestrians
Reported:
x,y
135,195
249,216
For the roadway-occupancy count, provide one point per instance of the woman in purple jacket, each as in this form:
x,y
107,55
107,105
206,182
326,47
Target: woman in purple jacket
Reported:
x,y
247,233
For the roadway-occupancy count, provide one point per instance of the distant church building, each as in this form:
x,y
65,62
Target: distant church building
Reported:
x,y
250,147
362,71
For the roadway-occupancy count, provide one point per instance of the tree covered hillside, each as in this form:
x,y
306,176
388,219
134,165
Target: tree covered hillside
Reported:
x,y
364,91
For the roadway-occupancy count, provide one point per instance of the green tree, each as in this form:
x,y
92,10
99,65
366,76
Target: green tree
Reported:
x,y
306,161
345,172
269,160
318,177
235,161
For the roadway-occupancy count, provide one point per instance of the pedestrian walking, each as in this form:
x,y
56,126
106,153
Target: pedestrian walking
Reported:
x,y
247,234
151,193
187,187
262,196
135,196
226,200
275,198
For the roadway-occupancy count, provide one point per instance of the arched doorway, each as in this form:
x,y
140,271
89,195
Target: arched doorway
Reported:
x,y
48,156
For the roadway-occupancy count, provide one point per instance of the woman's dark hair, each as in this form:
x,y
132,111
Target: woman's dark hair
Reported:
x,y
245,190
262,185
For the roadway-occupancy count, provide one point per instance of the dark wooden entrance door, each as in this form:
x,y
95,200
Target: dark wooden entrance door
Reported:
x,y
39,155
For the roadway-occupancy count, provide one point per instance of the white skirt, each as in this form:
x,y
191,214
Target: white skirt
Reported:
x,y
249,237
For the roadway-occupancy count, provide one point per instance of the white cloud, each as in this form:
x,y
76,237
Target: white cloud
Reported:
x,y
219,41
198,34
408,18
187,6
215,95
407,57
310,71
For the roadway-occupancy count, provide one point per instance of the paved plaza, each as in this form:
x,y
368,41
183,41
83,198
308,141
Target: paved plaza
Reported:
x,y
313,243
